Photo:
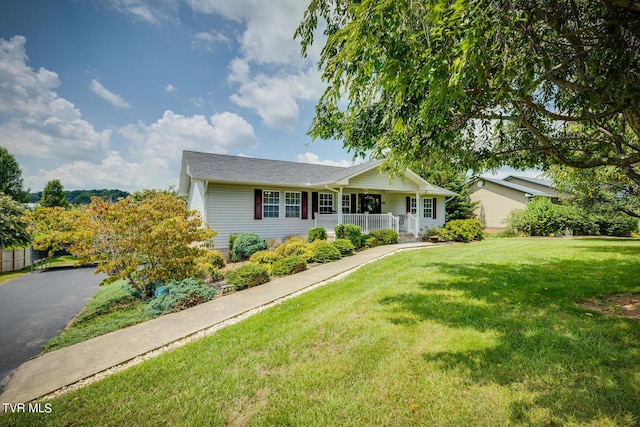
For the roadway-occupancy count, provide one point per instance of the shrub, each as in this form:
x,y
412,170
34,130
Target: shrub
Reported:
x,y
293,246
248,276
616,224
208,264
317,233
322,251
264,257
232,239
350,232
368,241
289,265
385,237
345,247
246,245
179,295
463,230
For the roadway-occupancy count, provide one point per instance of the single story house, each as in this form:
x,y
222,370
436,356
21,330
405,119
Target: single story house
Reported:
x,y
498,197
277,199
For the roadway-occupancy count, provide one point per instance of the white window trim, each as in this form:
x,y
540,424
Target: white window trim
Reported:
x,y
414,206
427,212
265,204
321,205
346,203
298,205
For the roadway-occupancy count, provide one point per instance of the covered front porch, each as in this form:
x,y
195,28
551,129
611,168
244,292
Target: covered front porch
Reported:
x,y
401,223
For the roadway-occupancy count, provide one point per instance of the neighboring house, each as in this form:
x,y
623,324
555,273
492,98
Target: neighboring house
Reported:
x,y
497,198
276,199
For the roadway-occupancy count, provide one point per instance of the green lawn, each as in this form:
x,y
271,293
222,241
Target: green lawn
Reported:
x,y
480,334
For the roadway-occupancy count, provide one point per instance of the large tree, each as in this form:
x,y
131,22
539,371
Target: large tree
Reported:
x,y
53,194
11,177
13,225
482,83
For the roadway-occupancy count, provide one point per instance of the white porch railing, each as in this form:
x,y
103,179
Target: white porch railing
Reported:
x,y
412,224
367,222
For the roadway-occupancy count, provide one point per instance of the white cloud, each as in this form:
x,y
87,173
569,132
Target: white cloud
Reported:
x,y
170,89
36,121
315,159
274,99
112,98
206,40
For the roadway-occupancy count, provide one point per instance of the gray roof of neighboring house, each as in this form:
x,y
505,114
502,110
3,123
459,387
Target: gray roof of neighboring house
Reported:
x,y
522,188
220,167
544,182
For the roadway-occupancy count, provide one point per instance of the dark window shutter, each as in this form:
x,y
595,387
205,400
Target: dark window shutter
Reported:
x,y
305,205
354,203
257,201
408,204
314,204
435,208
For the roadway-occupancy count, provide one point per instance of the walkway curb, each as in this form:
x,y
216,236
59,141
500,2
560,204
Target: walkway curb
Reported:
x,y
52,374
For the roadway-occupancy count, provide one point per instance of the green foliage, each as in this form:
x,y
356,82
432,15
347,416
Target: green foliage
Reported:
x,y
53,195
616,224
179,295
479,84
245,245
208,264
293,246
11,177
384,237
83,197
461,230
350,232
289,265
265,257
232,239
323,252
345,247
248,276
14,227
317,233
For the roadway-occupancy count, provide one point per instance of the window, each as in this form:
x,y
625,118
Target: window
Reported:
x,y
346,203
427,207
325,203
414,205
271,204
292,203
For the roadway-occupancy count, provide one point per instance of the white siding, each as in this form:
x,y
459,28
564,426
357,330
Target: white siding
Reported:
x,y
427,223
230,209
374,180
196,197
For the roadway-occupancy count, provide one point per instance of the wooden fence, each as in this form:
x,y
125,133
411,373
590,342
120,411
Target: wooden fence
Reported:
x,y
14,259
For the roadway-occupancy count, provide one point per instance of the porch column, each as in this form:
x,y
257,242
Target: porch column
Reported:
x,y
339,205
418,214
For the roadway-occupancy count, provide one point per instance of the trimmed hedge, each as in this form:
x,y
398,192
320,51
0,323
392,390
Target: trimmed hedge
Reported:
x,y
293,246
351,232
178,295
345,247
248,276
322,252
246,245
317,233
289,265
461,230
265,257
384,237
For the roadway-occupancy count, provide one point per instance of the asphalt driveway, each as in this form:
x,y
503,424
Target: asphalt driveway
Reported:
x,y
36,307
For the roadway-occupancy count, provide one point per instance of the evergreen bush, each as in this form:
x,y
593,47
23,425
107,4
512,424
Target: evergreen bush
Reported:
x,y
317,233
264,257
384,237
350,232
248,276
245,245
179,295
345,247
289,265
322,252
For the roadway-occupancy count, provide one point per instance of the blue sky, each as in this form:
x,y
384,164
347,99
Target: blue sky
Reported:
x,y
108,93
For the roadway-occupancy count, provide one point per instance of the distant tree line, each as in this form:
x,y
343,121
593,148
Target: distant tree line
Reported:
x,y
81,197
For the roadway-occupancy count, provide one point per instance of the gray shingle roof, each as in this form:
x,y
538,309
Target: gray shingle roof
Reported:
x,y
544,182
519,187
223,168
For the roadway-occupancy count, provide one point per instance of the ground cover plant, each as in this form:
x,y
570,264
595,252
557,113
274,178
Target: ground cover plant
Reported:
x,y
484,334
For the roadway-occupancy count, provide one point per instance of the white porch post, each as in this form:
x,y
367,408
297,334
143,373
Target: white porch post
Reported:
x,y
340,206
418,214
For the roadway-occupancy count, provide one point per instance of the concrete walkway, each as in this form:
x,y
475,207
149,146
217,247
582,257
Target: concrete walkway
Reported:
x,y
70,367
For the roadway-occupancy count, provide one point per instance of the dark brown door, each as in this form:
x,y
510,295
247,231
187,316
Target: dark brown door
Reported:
x,y
371,203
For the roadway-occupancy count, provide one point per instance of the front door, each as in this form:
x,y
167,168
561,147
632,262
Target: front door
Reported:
x,y
371,203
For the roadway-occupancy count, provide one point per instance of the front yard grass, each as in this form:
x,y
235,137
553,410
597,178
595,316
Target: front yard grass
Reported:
x,y
486,334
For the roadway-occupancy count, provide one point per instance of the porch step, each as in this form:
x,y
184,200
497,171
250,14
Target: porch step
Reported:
x,y
408,238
